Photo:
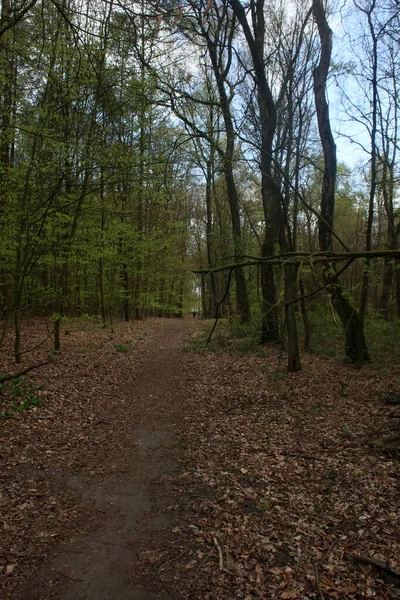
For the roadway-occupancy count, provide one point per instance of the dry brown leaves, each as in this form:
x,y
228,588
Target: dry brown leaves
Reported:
x,y
78,428
280,484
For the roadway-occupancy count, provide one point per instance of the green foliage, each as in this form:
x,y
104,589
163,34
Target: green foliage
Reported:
x,y
233,337
326,335
123,348
58,317
15,396
230,336
345,431
383,338
78,216
52,356
383,341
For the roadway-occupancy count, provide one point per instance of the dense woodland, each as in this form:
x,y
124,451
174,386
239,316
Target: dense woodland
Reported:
x,y
157,156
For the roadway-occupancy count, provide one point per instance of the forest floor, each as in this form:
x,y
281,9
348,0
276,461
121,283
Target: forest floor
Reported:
x,y
145,470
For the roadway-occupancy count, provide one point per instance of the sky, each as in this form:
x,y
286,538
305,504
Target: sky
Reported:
x,y
347,29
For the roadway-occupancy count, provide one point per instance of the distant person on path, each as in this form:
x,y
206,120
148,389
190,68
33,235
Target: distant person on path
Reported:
x,y
194,313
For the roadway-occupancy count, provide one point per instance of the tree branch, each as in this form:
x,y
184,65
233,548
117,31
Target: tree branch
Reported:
x,y
23,372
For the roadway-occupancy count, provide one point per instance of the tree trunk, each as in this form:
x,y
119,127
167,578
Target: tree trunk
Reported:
x,y
17,340
348,315
397,283
384,300
294,363
304,314
210,238
243,307
271,196
270,323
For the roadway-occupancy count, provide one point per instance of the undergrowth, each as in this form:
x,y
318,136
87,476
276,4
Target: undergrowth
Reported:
x,y
16,396
124,348
327,338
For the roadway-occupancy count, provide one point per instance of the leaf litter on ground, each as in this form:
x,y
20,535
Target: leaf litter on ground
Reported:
x,y
280,486
279,490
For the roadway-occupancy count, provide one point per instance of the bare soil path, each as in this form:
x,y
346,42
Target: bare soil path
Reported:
x,y
151,472
132,504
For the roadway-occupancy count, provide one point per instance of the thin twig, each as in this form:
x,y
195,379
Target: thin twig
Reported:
x,y
70,578
167,589
374,562
337,540
201,564
172,560
317,583
220,555
241,487
39,344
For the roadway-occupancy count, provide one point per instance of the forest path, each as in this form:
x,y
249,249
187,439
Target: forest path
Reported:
x,y
130,498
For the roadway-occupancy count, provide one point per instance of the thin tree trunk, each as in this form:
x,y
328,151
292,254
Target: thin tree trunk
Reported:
x,y
17,333
101,266
384,300
304,314
101,286
294,363
210,238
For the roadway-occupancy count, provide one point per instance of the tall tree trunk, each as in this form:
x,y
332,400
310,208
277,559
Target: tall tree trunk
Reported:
x,y
271,195
242,301
210,238
353,328
294,363
6,144
101,266
141,192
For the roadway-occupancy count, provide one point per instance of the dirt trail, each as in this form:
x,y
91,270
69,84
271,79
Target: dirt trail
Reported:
x,y
130,498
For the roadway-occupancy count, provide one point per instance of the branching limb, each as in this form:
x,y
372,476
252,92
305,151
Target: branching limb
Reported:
x,y
20,373
301,257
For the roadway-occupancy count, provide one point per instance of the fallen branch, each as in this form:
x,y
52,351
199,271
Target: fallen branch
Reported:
x,y
70,578
168,590
389,439
374,562
300,257
317,583
241,487
220,555
23,372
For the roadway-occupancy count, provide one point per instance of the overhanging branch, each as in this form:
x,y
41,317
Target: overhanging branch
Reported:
x,y
301,258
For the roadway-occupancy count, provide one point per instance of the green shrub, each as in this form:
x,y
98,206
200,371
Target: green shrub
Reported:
x,y
121,348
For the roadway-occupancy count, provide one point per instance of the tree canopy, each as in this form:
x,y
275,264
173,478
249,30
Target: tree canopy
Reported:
x,y
164,155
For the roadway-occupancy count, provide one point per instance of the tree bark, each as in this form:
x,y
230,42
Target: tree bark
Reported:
x,y
352,326
271,195
220,74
